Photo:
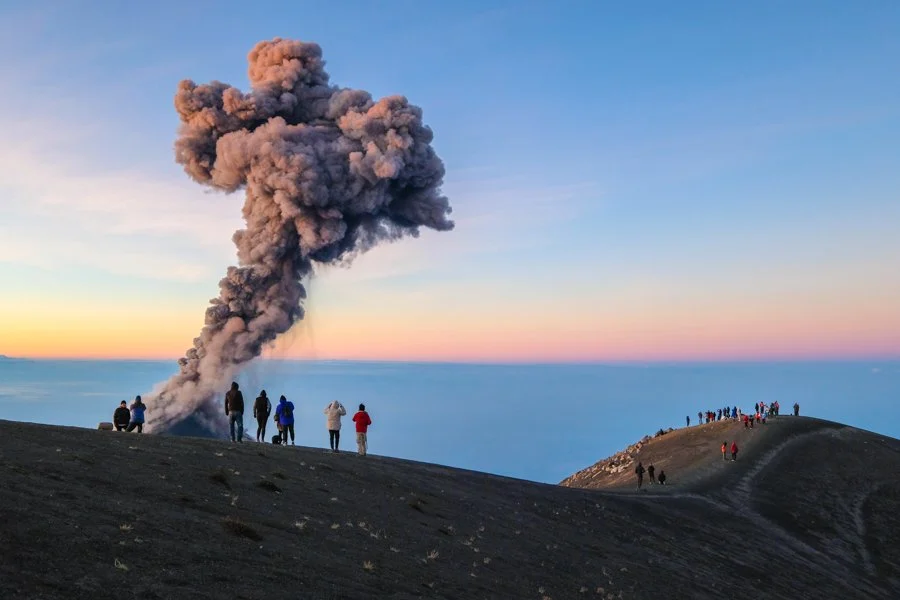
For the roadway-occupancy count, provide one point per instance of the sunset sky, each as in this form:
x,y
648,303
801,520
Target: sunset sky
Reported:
x,y
679,181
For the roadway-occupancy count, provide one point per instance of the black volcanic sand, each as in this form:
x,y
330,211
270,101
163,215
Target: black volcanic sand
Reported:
x,y
809,511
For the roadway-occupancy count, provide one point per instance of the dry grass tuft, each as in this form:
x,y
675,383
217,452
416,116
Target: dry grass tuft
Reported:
x,y
237,527
433,555
125,527
369,566
120,565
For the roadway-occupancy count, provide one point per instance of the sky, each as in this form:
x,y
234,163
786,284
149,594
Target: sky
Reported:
x,y
662,182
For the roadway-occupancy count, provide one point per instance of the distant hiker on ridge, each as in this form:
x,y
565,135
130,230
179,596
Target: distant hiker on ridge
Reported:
x,y
137,415
687,421
650,472
662,478
362,420
699,418
284,412
796,409
234,410
734,450
333,414
262,409
121,417
639,471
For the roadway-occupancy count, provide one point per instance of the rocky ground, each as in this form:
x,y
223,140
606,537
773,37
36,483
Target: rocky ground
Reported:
x,y
808,511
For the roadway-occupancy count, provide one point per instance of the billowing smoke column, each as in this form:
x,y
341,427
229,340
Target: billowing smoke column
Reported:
x,y
328,173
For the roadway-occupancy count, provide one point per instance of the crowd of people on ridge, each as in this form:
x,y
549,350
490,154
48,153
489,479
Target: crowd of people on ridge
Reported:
x,y
129,418
762,413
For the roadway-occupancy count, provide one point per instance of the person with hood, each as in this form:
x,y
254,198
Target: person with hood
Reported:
x,y
234,410
662,478
333,414
734,450
362,420
796,409
122,416
284,412
650,473
137,415
262,410
639,471
724,450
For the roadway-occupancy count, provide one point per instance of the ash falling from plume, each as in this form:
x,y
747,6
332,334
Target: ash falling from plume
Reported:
x,y
328,172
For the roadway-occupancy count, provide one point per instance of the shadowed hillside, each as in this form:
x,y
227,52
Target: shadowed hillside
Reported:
x,y
803,513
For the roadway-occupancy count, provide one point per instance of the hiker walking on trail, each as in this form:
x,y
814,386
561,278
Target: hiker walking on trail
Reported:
x,y
734,450
662,478
796,409
650,472
724,450
284,412
137,415
687,421
262,409
362,420
333,414
122,416
234,410
639,471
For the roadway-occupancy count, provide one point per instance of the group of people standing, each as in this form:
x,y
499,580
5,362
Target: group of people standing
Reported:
x,y
651,473
284,419
129,418
762,412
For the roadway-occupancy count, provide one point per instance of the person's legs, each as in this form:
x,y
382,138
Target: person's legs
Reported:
x,y
284,435
290,428
140,427
239,417
331,433
337,439
131,427
361,443
121,427
231,425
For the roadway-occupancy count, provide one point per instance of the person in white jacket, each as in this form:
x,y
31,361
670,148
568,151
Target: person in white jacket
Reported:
x,y
333,414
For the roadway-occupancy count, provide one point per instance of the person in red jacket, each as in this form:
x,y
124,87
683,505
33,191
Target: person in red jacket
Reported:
x,y
362,420
734,450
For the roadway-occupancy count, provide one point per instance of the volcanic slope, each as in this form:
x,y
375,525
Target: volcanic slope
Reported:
x,y
808,511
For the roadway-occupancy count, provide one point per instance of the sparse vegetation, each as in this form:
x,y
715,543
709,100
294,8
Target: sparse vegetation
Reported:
x,y
369,566
237,527
433,555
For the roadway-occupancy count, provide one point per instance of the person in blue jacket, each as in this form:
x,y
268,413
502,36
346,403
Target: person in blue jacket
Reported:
x,y
284,412
137,415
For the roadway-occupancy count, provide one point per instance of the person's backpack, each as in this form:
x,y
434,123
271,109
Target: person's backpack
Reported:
x,y
287,411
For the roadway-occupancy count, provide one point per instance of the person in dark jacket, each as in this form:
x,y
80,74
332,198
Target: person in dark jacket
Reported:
x,y
639,471
650,472
662,478
137,415
234,409
796,409
122,417
284,412
262,409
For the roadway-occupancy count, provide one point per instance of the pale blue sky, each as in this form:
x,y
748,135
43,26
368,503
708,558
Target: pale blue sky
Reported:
x,y
709,156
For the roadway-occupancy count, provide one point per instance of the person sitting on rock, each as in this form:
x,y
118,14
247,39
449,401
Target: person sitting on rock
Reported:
x,y
122,417
650,471
662,478
639,471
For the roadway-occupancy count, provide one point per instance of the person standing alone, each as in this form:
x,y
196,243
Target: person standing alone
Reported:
x,y
234,410
650,473
362,420
724,450
734,450
333,414
284,412
262,409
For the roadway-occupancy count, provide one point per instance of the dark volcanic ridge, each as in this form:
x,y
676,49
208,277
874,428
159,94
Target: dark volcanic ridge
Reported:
x,y
808,511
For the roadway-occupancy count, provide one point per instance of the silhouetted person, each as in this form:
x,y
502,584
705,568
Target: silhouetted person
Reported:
x,y
333,414
687,421
734,450
121,417
262,409
284,412
662,478
699,418
137,415
796,409
362,420
639,471
650,473
234,410
724,450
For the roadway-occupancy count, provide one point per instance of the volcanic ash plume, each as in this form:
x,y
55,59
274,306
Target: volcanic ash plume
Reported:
x,y
328,172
